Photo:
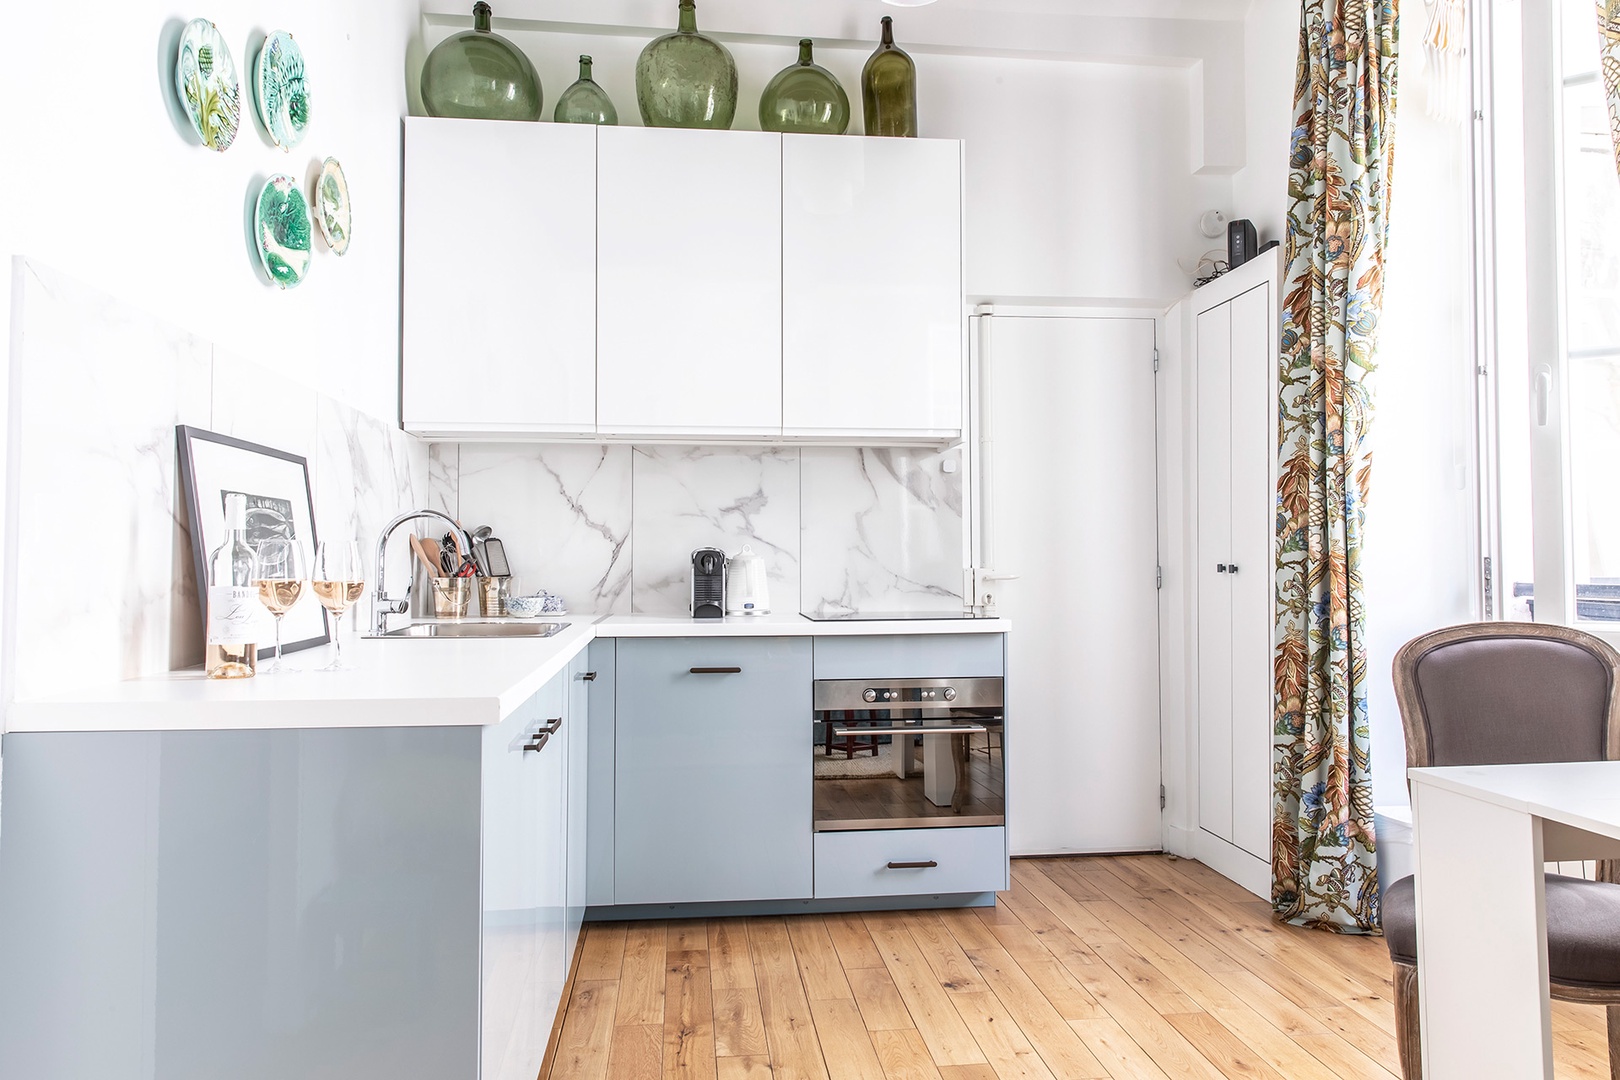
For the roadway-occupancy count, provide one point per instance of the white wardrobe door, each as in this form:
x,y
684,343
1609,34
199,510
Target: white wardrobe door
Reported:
x,y
689,291
1215,652
1253,523
1075,515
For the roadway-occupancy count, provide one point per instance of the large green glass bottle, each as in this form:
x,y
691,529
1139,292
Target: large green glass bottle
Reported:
x,y
889,89
685,79
805,98
480,75
585,102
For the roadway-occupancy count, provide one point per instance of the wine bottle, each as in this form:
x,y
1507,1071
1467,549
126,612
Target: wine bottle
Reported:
x,y
232,601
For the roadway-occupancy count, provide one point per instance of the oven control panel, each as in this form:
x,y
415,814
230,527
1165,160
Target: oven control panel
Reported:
x,y
909,693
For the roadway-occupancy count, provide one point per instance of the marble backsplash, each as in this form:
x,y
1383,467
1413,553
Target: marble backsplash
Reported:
x,y
611,528
104,583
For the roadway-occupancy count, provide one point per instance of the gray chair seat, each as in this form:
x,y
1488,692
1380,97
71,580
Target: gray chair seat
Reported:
x,y
1582,946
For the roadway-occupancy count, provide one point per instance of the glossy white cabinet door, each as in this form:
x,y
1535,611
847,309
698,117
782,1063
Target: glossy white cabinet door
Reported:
x,y
499,328
872,310
1215,654
689,288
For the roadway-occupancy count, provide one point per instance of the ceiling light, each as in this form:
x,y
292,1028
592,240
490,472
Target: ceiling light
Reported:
x,y
907,3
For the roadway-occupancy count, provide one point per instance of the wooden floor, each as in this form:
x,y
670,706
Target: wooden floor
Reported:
x,y
1143,967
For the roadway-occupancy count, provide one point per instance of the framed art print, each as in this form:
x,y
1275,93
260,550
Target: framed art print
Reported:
x,y
279,504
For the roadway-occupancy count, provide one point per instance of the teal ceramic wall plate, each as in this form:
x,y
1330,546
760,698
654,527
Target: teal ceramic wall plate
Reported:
x,y
281,89
281,230
205,78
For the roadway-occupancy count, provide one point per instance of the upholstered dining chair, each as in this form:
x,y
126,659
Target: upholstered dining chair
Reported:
x,y
1500,693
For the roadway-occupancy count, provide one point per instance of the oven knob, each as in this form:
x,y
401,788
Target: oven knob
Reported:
x,y
950,693
929,694
869,694
888,695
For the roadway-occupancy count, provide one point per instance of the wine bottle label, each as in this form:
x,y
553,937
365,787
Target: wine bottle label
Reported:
x,y
232,611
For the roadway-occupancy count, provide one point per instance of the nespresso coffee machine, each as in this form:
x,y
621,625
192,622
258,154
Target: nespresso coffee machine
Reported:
x,y
708,583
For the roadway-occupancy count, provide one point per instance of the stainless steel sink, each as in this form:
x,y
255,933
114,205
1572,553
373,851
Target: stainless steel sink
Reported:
x,y
478,629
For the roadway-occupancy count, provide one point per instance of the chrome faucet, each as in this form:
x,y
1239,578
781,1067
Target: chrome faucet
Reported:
x,y
383,605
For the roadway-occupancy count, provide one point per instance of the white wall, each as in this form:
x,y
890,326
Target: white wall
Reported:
x,y
102,182
1271,49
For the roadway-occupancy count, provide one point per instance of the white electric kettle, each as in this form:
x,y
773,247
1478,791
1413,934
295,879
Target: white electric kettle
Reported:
x,y
747,591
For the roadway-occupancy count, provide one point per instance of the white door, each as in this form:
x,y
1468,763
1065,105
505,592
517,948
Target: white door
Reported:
x,y
1074,513
872,312
1215,648
499,302
689,289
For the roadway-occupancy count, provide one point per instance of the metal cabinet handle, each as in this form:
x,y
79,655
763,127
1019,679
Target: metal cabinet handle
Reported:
x,y
540,740
589,676
1232,569
717,671
552,727
929,865
1220,568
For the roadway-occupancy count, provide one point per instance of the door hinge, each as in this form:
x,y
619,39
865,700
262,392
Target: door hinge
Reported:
x,y
1490,591
1158,577
1161,796
1155,359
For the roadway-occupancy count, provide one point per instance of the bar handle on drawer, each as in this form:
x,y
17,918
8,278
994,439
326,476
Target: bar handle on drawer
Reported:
x,y
589,676
717,671
929,865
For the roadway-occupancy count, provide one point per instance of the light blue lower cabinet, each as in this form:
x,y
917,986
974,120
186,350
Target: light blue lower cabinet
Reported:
x,y
713,754
910,862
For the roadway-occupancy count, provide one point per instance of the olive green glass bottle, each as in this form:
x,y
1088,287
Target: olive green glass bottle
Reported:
x,y
480,75
585,102
889,89
805,98
685,79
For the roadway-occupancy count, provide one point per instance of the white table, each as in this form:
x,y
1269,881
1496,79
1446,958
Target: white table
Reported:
x,y
1482,834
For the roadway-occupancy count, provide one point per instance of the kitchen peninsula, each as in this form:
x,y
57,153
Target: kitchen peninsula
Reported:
x,y
336,873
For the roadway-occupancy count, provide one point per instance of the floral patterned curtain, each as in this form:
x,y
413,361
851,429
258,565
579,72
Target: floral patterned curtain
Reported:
x,y
1324,872
1608,17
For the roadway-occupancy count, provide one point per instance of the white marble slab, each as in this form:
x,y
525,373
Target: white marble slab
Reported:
x,y
562,512
105,581
685,498
882,530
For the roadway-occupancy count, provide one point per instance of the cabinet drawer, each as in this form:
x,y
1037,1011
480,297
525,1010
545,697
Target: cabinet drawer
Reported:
x,y
857,863
924,656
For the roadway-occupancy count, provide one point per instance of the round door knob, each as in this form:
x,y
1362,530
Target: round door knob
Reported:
x,y
870,695
949,693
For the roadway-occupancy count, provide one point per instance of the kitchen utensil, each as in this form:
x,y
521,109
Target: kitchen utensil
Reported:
x,y
435,556
495,558
747,588
708,583
452,542
422,554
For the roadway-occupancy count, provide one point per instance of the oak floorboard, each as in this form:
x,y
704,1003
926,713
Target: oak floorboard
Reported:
x,y
1136,968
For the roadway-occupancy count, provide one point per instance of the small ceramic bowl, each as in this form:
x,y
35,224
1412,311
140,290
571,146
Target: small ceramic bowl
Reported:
x,y
525,607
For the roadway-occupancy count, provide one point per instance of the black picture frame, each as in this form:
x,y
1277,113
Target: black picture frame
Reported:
x,y
277,485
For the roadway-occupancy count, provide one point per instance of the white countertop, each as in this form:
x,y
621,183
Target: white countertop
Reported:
x,y
404,683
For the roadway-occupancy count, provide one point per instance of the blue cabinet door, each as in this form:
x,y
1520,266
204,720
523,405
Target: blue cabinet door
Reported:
x,y
580,678
713,752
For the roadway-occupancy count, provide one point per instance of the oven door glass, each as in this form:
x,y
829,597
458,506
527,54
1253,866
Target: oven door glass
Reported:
x,y
908,768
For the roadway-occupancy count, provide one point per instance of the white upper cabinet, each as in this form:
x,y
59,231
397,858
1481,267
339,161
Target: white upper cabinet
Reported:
x,y
689,286
872,310
499,329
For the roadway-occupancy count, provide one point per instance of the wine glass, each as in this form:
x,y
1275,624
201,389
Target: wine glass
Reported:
x,y
337,579
278,573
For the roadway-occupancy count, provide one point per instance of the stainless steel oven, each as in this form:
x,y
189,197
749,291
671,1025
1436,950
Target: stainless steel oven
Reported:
x,y
909,753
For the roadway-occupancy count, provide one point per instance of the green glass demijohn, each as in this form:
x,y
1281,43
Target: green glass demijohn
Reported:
x,y
889,89
480,75
805,99
585,102
685,79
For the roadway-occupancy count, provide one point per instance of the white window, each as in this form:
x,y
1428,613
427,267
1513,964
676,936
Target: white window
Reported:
x,y
1555,317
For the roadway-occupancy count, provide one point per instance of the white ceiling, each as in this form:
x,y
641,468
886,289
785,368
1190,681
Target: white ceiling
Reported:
x,y
1218,10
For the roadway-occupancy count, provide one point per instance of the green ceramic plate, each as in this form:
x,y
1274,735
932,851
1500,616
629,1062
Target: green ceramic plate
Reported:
x,y
205,78
281,229
280,89
332,206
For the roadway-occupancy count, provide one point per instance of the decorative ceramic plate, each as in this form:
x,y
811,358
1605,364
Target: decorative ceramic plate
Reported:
x,y
281,230
332,206
280,89
205,78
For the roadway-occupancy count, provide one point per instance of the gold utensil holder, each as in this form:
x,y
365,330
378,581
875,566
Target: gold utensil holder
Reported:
x,y
492,596
451,596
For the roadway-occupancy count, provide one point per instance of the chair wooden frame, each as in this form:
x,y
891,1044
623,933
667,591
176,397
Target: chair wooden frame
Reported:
x,y
1418,756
